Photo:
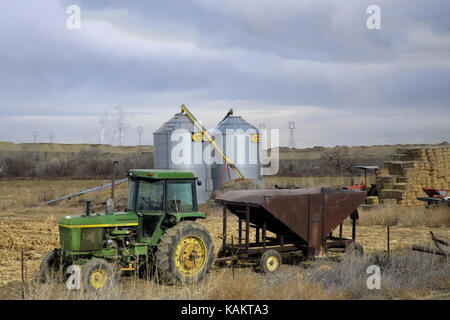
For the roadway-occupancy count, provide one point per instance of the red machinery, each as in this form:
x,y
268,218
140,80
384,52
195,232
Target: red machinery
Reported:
x,y
436,193
363,186
436,196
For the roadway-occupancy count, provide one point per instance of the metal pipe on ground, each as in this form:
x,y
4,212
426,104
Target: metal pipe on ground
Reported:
x,y
83,192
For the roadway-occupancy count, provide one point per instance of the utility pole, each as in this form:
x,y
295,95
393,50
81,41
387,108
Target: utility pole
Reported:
x,y
51,135
35,134
120,127
139,129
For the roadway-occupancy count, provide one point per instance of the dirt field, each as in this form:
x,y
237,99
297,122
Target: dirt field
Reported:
x,y
26,224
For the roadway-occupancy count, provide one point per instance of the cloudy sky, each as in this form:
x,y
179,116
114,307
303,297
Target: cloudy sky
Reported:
x,y
314,62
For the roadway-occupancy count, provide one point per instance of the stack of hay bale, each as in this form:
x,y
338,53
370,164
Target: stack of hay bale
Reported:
x,y
400,182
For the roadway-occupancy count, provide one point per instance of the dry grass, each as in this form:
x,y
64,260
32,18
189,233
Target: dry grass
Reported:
x,y
404,275
409,217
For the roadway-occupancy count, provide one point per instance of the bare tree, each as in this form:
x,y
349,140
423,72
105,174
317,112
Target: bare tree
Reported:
x,y
338,159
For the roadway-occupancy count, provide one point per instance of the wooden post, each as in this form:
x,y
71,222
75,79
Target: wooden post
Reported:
x,y
23,279
388,241
232,254
113,178
340,231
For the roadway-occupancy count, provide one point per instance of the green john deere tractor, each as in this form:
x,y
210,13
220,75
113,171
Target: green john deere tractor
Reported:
x,y
157,229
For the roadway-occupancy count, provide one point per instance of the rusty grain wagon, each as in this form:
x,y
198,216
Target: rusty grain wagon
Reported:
x,y
301,219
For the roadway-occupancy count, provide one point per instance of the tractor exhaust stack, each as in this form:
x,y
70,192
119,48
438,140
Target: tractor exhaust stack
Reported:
x,y
88,207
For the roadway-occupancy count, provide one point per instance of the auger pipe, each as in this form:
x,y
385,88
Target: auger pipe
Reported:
x,y
210,139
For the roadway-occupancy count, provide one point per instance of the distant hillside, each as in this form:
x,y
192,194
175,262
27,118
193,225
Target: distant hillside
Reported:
x,y
70,160
94,160
71,148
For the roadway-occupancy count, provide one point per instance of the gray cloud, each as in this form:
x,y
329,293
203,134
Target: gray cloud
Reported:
x,y
151,56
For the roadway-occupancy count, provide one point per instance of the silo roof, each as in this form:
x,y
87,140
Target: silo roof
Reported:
x,y
235,122
178,121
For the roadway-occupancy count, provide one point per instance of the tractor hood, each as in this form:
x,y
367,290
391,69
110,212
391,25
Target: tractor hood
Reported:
x,y
100,220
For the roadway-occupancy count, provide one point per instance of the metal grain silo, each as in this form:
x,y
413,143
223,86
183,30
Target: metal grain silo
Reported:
x,y
164,146
240,142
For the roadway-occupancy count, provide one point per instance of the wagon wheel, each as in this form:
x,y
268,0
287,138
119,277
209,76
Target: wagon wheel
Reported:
x,y
270,261
222,253
354,250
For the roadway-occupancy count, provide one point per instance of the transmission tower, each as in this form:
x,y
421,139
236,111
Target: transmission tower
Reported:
x,y
51,135
291,134
139,129
35,134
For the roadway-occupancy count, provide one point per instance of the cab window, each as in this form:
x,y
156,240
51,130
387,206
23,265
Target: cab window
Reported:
x,y
150,196
132,195
180,196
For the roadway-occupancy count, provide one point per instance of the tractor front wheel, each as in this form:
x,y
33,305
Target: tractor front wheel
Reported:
x,y
185,253
97,275
52,267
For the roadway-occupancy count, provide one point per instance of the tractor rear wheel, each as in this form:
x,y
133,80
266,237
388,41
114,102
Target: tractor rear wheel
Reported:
x,y
270,261
185,253
52,267
97,275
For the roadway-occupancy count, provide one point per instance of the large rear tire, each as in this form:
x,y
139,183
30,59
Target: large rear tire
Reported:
x,y
185,253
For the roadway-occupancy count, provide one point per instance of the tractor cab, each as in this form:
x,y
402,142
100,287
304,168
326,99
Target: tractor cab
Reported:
x,y
161,198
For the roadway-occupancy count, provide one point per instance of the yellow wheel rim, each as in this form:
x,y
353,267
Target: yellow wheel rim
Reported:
x,y
190,255
272,263
98,278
